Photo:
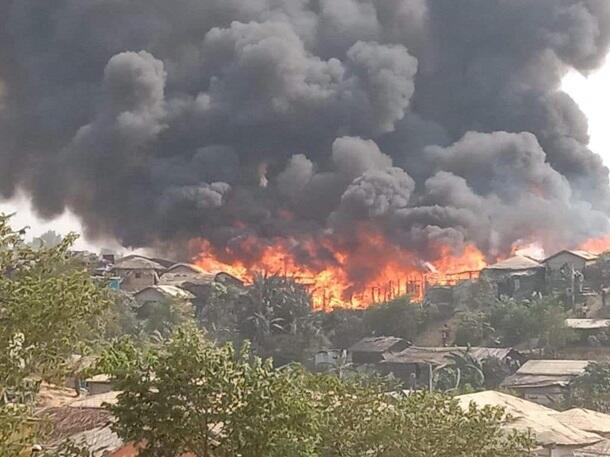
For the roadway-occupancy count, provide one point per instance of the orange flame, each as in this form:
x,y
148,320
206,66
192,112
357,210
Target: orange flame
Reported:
x,y
597,245
352,275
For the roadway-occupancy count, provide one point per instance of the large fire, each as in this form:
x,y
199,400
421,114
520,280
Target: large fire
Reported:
x,y
365,271
596,245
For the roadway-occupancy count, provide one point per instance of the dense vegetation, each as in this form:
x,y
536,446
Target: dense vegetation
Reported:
x,y
189,395
49,310
185,392
508,322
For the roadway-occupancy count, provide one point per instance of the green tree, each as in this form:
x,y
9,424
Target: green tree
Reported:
x,y
540,317
398,317
161,317
275,314
192,396
46,307
592,390
473,328
344,327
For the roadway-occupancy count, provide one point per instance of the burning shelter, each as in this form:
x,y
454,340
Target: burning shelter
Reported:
x,y
517,277
545,381
372,349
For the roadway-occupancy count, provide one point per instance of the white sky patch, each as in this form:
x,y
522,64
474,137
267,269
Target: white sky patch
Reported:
x,y
24,216
592,93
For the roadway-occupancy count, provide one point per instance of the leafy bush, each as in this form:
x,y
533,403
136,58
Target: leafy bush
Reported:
x,y
189,395
473,329
592,390
399,317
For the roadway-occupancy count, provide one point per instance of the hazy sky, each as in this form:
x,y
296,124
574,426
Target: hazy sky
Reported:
x,y
592,93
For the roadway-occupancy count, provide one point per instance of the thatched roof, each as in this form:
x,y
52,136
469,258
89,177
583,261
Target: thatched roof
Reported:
x,y
67,421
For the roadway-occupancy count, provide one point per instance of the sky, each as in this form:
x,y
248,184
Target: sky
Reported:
x,y
591,92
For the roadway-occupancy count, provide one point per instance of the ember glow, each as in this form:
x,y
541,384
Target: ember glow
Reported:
x,y
365,271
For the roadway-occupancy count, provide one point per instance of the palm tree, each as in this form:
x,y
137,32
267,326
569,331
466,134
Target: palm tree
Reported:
x,y
460,364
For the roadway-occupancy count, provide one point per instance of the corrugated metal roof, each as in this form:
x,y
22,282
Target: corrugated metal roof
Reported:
x,y
518,262
376,344
585,255
585,419
587,324
554,367
438,355
525,415
531,381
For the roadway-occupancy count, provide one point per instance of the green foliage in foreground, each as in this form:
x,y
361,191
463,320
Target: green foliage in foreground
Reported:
x,y
188,395
47,309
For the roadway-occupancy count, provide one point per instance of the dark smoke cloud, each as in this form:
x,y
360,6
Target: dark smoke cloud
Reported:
x,y
435,121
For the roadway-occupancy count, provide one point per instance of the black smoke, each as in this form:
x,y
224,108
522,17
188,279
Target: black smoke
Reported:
x,y
430,120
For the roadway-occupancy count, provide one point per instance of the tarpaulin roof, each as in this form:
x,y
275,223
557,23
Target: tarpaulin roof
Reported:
x,y
554,367
587,324
538,419
585,419
376,344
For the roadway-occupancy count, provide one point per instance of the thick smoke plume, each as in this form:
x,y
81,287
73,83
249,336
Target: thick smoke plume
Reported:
x,y
437,122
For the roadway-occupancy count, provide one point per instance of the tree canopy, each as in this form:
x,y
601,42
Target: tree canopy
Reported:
x,y
189,395
47,310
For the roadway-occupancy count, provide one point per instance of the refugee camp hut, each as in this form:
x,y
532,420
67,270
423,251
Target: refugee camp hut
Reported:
x,y
85,422
421,361
99,384
199,283
545,381
517,277
553,437
372,349
587,330
137,272
159,297
566,269
190,277
329,359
